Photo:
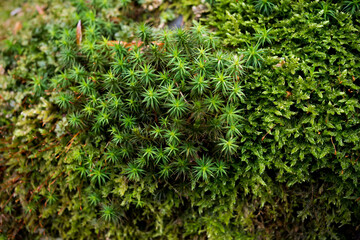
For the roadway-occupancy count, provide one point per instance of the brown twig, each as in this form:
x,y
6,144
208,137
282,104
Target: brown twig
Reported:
x,y
262,139
71,141
133,43
333,144
181,93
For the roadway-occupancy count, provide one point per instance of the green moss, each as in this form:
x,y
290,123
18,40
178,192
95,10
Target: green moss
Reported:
x,y
303,102
181,137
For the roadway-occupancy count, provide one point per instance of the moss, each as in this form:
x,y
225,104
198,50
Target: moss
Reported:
x,y
174,135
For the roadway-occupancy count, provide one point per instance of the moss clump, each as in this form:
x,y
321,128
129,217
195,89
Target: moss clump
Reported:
x,y
302,95
174,136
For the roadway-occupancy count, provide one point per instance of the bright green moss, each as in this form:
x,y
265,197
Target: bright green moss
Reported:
x,y
301,108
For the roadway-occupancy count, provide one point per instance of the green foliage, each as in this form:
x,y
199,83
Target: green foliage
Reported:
x,y
145,34
326,10
176,138
301,126
109,214
134,171
264,36
265,7
253,56
204,170
352,7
